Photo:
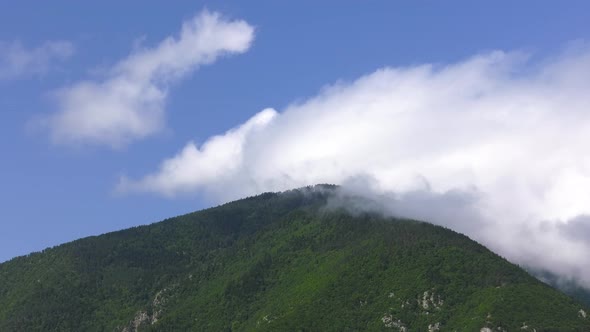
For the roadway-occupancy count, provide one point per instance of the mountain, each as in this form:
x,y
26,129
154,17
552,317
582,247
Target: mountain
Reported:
x,y
568,286
279,262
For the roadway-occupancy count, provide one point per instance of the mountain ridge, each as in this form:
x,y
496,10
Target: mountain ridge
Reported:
x,y
278,261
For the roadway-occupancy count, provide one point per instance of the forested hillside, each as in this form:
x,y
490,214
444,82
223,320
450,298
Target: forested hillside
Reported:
x,y
278,262
569,287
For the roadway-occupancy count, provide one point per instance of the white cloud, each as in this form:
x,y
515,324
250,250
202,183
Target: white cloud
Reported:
x,y
128,104
18,62
494,146
194,167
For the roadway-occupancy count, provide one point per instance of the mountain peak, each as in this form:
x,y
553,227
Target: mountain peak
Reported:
x,y
279,261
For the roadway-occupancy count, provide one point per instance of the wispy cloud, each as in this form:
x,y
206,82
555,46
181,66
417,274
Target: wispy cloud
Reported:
x,y
494,146
128,104
18,62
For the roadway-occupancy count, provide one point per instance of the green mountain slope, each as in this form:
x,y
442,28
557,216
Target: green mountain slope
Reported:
x,y
569,287
278,262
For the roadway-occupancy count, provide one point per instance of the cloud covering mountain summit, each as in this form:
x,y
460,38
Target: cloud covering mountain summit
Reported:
x,y
499,139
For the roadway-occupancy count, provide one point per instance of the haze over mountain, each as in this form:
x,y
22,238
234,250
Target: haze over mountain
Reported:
x,y
287,261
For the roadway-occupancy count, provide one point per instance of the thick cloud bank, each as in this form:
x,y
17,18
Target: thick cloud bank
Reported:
x,y
128,104
495,146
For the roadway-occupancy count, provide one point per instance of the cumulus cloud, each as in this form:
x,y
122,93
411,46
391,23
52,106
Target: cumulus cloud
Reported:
x,y
17,62
128,103
495,146
194,167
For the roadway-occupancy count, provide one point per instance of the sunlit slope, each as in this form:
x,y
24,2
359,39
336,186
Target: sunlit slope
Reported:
x,y
278,262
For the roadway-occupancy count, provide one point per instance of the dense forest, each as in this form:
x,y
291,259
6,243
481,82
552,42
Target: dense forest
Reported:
x,y
568,286
279,262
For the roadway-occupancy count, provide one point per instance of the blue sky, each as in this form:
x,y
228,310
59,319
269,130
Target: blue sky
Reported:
x,y
56,190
